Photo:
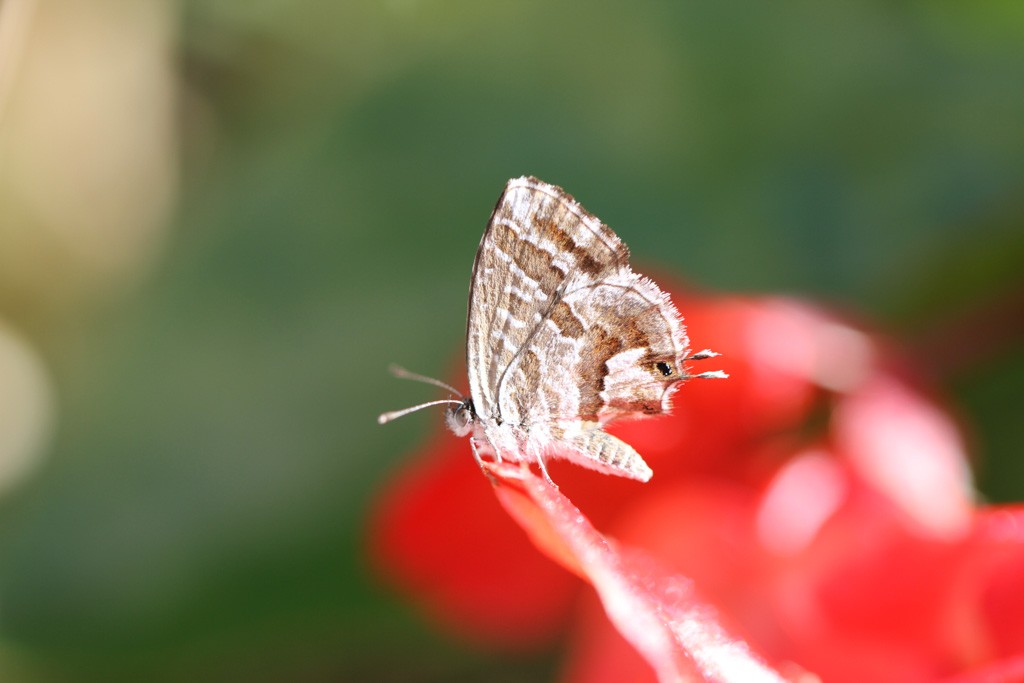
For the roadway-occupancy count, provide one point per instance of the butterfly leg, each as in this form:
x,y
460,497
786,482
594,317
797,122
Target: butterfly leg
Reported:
x,y
544,470
473,441
476,452
480,461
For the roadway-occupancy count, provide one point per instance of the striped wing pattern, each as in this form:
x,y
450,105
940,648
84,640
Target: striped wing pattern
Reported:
x,y
563,336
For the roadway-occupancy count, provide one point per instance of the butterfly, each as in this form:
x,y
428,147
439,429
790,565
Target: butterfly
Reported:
x,y
562,337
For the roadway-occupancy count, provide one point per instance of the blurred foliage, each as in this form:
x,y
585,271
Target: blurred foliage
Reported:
x,y
216,368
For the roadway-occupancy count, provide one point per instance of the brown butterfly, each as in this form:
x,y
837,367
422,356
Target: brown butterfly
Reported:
x,y
562,338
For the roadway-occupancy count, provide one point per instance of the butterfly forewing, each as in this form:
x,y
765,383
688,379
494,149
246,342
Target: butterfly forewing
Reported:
x,y
537,241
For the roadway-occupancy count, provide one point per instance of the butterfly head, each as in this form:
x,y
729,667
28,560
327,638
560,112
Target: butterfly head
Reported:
x,y
460,417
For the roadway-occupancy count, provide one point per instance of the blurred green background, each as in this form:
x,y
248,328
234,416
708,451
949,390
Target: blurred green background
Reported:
x,y
220,221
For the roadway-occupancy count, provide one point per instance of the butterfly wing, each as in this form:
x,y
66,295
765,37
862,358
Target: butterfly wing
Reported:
x,y
562,335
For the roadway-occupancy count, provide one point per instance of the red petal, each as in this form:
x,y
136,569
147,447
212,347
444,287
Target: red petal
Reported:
x,y
1010,670
911,451
1000,573
440,536
659,613
776,351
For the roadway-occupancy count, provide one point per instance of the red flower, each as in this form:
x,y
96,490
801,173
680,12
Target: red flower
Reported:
x,y
816,507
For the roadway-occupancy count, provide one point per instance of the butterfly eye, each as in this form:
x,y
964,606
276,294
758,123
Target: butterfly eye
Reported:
x,y
460,417
664,368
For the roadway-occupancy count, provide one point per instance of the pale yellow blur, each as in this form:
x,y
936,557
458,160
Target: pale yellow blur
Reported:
x,y
26,408
88,175
87,147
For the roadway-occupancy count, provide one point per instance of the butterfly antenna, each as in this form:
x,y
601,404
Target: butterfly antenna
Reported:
x,y
401,373
714,374
384,418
